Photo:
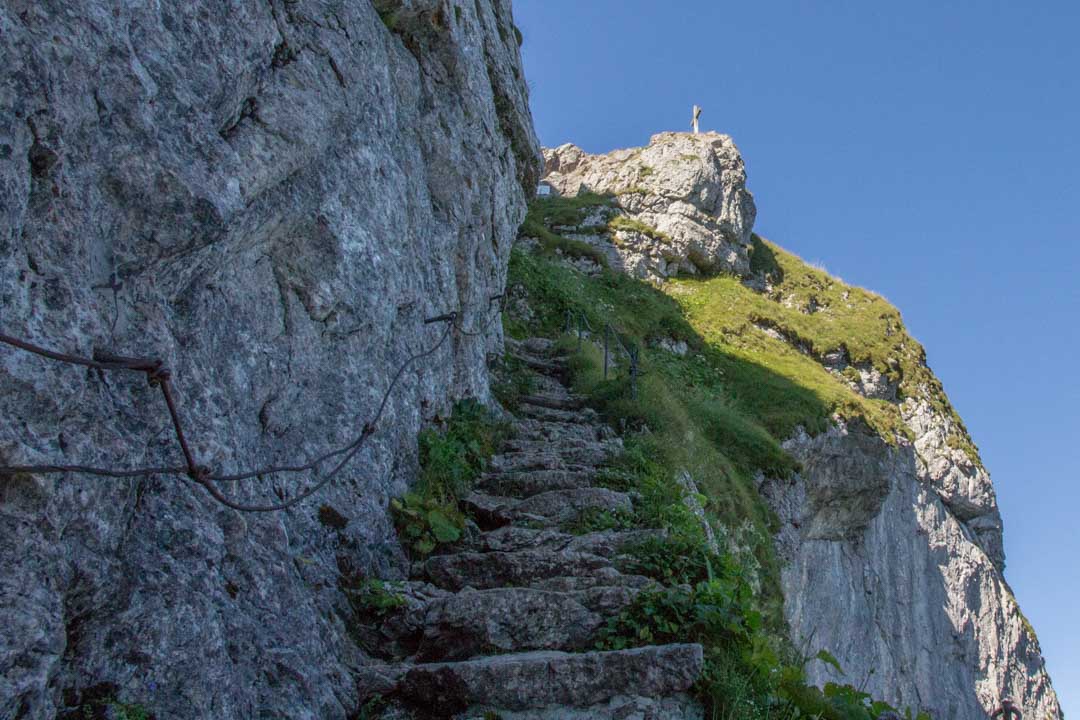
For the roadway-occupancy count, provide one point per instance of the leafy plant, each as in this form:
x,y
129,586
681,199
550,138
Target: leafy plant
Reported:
x,y
376,598
451,459
423,521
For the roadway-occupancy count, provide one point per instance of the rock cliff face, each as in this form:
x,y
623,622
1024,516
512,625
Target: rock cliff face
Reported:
x,y
685,193
254,191
891,547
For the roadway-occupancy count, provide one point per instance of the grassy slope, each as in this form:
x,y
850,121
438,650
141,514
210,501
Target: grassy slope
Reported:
x,y
722,411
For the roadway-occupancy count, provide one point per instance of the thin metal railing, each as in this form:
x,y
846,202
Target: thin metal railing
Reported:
x,y
577,322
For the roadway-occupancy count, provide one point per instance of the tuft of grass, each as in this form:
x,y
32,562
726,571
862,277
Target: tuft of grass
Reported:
x,y
374,599
556,210
623,222
552,242
389,19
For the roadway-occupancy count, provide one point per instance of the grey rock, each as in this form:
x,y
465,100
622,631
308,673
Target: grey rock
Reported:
x,y
500,569
866,537
536,412
620,707
565,505
268,182
511,682
505,620
530,482
689,188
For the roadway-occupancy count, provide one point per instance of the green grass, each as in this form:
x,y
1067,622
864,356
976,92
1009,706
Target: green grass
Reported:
x,y
728,315
556,210
624,222
548,212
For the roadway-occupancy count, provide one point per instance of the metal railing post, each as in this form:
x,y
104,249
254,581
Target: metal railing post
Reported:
x,y
607,330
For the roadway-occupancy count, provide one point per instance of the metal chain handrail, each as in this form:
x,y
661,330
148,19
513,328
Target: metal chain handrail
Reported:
x,y
582,324
159,376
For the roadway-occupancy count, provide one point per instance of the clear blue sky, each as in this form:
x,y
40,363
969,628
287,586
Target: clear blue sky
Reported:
x,y
925,150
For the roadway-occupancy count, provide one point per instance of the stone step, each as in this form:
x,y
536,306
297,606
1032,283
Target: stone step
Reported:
x,y
531,482
547,385
539,679
621,707
554,401
604,578
557,431
514,619
532,346
519,568
606,543
584,416
546,509
605,448
553,367
542,455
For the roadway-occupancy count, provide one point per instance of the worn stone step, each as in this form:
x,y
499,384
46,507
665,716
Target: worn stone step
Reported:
x,y
531,482
548,385
554,401
557,431
513,569
540,679
607,543
540,455
608,577
538,412
552,366
514,619
603,448
546,509
680,706
532,346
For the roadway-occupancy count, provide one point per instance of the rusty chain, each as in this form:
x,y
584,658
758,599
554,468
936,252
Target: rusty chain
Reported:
x,y
158,376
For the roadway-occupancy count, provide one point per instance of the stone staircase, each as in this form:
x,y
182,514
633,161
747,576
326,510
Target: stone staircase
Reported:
x,y
502,624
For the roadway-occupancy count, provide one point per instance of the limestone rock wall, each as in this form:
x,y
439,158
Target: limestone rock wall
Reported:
x,y
690,189
879,570
270,195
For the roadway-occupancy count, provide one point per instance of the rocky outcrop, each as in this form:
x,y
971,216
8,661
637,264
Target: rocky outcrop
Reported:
x,y
253,191
928,619
685,193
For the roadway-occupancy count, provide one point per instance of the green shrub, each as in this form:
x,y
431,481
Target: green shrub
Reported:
x,y
451,459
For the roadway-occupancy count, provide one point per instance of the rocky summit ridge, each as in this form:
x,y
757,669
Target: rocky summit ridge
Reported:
x,y
687,194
